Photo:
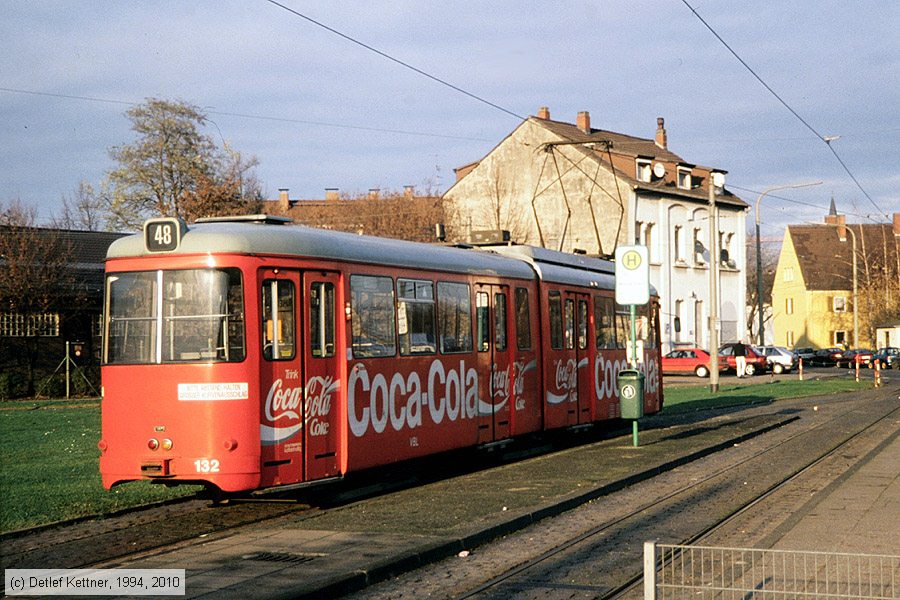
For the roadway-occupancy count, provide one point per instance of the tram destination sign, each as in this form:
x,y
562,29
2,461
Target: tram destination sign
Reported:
x,y
632,275
163,235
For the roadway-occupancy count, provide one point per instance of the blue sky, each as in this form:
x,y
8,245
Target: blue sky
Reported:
x,y
337,115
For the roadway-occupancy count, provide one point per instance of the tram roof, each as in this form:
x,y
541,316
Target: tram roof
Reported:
x,y
255,235
296,240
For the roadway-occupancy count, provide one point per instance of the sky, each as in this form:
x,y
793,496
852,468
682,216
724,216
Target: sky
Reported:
x,y
319,111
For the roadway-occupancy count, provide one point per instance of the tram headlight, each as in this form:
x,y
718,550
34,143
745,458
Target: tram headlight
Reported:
x,y
153,443
102,445
167,444
230,444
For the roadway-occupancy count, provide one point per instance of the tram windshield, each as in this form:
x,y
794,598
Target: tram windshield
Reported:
x,y
190,315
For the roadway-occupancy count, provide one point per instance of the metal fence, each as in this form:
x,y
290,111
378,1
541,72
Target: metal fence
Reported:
x,y
703,573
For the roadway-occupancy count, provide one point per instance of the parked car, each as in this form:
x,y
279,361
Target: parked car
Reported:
x,y
805,354
756,362
888,357
850,358
780,359
688,360
826,357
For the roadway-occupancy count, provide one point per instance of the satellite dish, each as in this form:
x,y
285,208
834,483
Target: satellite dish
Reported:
x,y
659,170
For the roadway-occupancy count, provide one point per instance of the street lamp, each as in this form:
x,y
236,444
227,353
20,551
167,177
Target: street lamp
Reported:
x,y
716,180
759,285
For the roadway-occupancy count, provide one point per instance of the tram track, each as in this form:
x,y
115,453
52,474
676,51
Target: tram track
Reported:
x,y
551,563
630,582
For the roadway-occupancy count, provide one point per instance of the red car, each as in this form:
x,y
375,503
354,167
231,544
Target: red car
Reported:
x,y
756,361
688,360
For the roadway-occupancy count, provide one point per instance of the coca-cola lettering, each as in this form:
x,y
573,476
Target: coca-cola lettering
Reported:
x,y
450,394
283,402
319,391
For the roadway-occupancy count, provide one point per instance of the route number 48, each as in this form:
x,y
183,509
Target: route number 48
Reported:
x,y
204,465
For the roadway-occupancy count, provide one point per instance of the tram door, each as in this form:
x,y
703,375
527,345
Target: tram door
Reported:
x,y
299,380
493,346
584,372
322,388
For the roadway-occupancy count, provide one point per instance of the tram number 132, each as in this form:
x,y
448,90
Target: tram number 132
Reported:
x,y
204,465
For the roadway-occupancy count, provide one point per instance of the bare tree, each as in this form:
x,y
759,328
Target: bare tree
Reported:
x,y
84,210
769,262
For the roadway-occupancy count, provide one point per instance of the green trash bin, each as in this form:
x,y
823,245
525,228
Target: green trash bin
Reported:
x,y
631,393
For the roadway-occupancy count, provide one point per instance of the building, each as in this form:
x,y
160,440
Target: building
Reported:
x,y
51,292
574,188
812,295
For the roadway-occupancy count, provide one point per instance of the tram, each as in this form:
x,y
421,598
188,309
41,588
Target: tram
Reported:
x,y
246,353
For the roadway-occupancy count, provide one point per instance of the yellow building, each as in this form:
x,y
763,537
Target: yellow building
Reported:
x,y
812,295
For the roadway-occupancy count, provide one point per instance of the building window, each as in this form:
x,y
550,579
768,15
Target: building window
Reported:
x,y
679,243
789,339
679,316
30,325
644,172
789,273
839,304
839,337
788,306
698,247
684,178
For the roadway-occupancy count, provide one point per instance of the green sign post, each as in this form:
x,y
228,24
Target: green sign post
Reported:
x,y
632,289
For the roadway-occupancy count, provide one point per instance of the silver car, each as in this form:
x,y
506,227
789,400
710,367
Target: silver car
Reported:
x,y
780,359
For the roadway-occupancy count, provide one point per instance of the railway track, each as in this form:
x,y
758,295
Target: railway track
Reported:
x,y
117,537
596,552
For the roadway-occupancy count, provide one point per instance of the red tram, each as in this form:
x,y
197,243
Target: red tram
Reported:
x,y
242,353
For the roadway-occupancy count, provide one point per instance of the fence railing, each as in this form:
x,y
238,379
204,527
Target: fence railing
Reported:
x,y
701,573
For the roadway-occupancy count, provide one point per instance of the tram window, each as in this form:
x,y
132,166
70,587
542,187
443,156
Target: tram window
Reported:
x,y
454,317
482,316
321,319
523,320
278,319
570,324
187,315
582,324
372,320
415,317
623,327
500,321
556,321
604,323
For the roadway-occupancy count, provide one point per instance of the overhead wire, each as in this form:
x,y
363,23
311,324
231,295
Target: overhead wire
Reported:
x,y
396,60
827,140
251,116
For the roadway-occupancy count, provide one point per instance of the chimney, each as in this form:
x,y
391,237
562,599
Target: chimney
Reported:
x,y
896,224
584,121
374,193
332,194
661,139
409,191
544,113
284,202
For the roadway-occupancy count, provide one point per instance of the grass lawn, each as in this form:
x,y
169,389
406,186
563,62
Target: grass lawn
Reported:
x,y
49,457
49,465
698,397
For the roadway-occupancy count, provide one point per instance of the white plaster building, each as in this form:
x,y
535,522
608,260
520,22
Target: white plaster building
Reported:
x,y
574,188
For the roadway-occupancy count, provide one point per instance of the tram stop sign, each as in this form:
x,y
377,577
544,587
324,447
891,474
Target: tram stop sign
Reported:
x,y
632,275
